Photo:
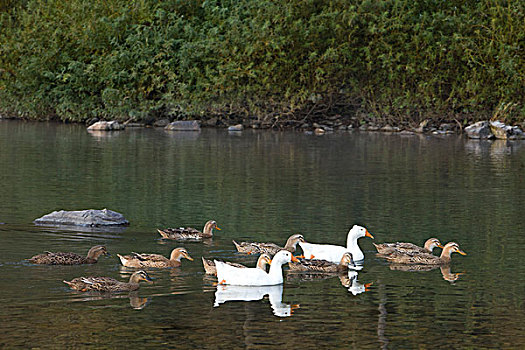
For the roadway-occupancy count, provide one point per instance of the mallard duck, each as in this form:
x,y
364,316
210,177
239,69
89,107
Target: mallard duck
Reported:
x,y
209,265
61,258
316,265
227,274
108,284
269,248
403,247
189,233
155,260
334,253
425,258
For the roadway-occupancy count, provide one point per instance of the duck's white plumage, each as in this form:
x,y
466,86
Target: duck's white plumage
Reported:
x,y
334,253
227,274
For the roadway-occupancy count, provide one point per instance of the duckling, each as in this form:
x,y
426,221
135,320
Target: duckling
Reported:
x,y
209,265
315,265
155,260
269,248
189,233
426,258
403,247
108,284
61,258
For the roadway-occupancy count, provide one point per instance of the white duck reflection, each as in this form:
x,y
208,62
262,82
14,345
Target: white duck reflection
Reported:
x,y
226,293
350,281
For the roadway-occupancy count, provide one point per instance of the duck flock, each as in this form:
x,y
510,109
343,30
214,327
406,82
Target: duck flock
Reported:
x,y
315,258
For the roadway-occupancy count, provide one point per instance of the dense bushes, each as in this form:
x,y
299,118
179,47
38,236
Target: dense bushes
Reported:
x,y
398,59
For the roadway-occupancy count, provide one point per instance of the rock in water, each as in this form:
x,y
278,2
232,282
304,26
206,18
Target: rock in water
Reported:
x,y
89,217
504,132
183,125
106,126
479,130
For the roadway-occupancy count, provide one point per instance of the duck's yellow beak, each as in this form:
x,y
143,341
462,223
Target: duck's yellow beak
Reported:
x,y
187,256
439,245
218,228
461,252
294,259
368,234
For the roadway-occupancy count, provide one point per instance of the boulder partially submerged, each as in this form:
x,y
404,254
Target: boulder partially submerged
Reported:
x,y
106,126
85,218
183,125
494,129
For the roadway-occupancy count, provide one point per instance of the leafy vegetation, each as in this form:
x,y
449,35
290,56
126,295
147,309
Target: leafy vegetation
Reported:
x,y
394,60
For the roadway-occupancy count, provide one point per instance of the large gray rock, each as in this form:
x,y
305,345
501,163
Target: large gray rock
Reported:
x,y
183,125
90,217
504,132
479,130
106,126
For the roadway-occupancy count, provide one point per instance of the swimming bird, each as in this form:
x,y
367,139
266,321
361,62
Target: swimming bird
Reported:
x,y
269,248
316,265
209,265
155,260
387,248
68,258
334,253
189,233
425,258
227,274
108,284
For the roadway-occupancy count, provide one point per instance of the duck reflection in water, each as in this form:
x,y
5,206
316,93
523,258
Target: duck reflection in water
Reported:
x,y
350,281
445,270
135,301
226,293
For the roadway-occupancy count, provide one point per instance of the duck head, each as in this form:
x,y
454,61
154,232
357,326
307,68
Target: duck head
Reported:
x,y
179,253
432,243
264,259
452,247
210,225
293,240
283,257
359,231
97,251
347,260
140,275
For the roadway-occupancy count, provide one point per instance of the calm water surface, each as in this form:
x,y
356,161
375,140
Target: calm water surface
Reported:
x,y
263,186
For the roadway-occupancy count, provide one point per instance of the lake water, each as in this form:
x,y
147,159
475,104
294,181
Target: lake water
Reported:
x,y
263,186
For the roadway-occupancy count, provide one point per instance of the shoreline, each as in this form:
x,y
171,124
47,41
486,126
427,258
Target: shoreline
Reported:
x,y
328,124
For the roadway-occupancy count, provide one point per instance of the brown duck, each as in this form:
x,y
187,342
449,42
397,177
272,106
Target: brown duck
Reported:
x,y
315,265
155,260
403,247
108,284
61,258
209,265
425,258
269,248
189,233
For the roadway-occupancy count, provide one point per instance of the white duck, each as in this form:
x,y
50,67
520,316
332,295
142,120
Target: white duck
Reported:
x,y
334,253
227,274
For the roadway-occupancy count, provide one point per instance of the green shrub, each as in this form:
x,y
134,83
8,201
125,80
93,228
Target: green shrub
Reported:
x,y
399,60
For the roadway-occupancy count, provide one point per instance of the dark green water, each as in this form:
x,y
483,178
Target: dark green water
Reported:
x,y
263,186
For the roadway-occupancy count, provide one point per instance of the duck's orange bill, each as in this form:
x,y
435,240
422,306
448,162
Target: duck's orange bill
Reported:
x,y
367,286
294,259
217,227
368,234
461,252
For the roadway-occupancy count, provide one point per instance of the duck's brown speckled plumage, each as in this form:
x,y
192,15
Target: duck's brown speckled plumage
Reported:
x,y
314,265
108,284
404,247
425,258
68,258
141,260
269,248
189,233
209,265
